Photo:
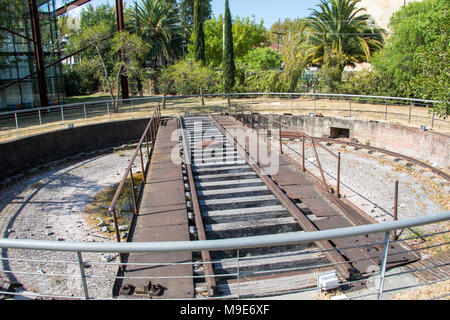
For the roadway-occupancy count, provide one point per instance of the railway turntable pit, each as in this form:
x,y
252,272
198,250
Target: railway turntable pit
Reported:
x,y
203,184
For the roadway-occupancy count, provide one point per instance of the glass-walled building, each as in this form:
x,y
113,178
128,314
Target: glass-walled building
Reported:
x,y
29,77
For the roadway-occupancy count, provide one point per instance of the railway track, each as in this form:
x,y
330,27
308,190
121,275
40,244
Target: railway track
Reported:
x,y
233,201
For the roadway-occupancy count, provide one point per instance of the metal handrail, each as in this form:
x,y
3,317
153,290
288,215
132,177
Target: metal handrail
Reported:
x,y
303,135
152,129
157,98
222,244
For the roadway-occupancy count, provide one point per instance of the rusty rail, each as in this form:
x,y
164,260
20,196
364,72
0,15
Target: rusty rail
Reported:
x,y
391,153
293,133
206,257
331,252
149,133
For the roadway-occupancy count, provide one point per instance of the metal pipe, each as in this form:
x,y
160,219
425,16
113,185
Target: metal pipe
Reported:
x,y
394,236
85,113
238,278
338,176
432,119
395,199
234,243
280,138
116,225
133,196
142,160
83,276
383,265
40,119
410,109
17,124
303,154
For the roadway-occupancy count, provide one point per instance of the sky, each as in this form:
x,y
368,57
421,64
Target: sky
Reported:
x,y
268,10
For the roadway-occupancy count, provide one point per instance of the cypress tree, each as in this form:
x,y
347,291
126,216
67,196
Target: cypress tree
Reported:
x,y
199,36
229,69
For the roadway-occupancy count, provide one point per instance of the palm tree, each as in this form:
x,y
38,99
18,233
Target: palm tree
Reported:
x,y
342,35
157,23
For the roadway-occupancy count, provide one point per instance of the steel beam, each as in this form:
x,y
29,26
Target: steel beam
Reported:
x,y
120,27
39,54
70,6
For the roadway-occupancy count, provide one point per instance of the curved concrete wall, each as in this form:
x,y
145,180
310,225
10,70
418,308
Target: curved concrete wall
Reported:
x,y
428,146
29,152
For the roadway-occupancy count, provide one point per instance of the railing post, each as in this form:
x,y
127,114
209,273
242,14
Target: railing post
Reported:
x,y
386,112
133,197
146,144
153,131
107,107
281,140
383,265
303,154
238,277
40,120
350,107
394,237
17,124
85,113
62,114
410,110
315,105
83,276
338,177
116,225
432,119
251,120
142,160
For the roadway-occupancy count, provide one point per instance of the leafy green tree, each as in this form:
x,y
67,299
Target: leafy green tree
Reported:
x,y
229,68
416,55
157,23
247,34
126,53
186,77
342,35
199,35
263,58
186,8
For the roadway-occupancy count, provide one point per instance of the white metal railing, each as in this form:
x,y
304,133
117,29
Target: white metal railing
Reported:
x,y
83,249
18,123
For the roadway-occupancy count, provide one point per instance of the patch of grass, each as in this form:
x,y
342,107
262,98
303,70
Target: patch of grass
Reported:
x,y
99,207
429,245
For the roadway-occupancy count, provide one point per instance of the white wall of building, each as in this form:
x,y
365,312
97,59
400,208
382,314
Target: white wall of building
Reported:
x,y
382,10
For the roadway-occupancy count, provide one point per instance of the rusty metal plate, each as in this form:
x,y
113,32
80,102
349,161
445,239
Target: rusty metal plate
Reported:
x,y
165,174
286,180
163,198
301,191
332,222
320,207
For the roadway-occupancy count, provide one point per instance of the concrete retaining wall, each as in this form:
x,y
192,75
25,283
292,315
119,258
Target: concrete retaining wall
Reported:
x,y
423,145
29,152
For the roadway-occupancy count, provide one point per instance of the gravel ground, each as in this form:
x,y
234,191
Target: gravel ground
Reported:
x,y
49,206
367,180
